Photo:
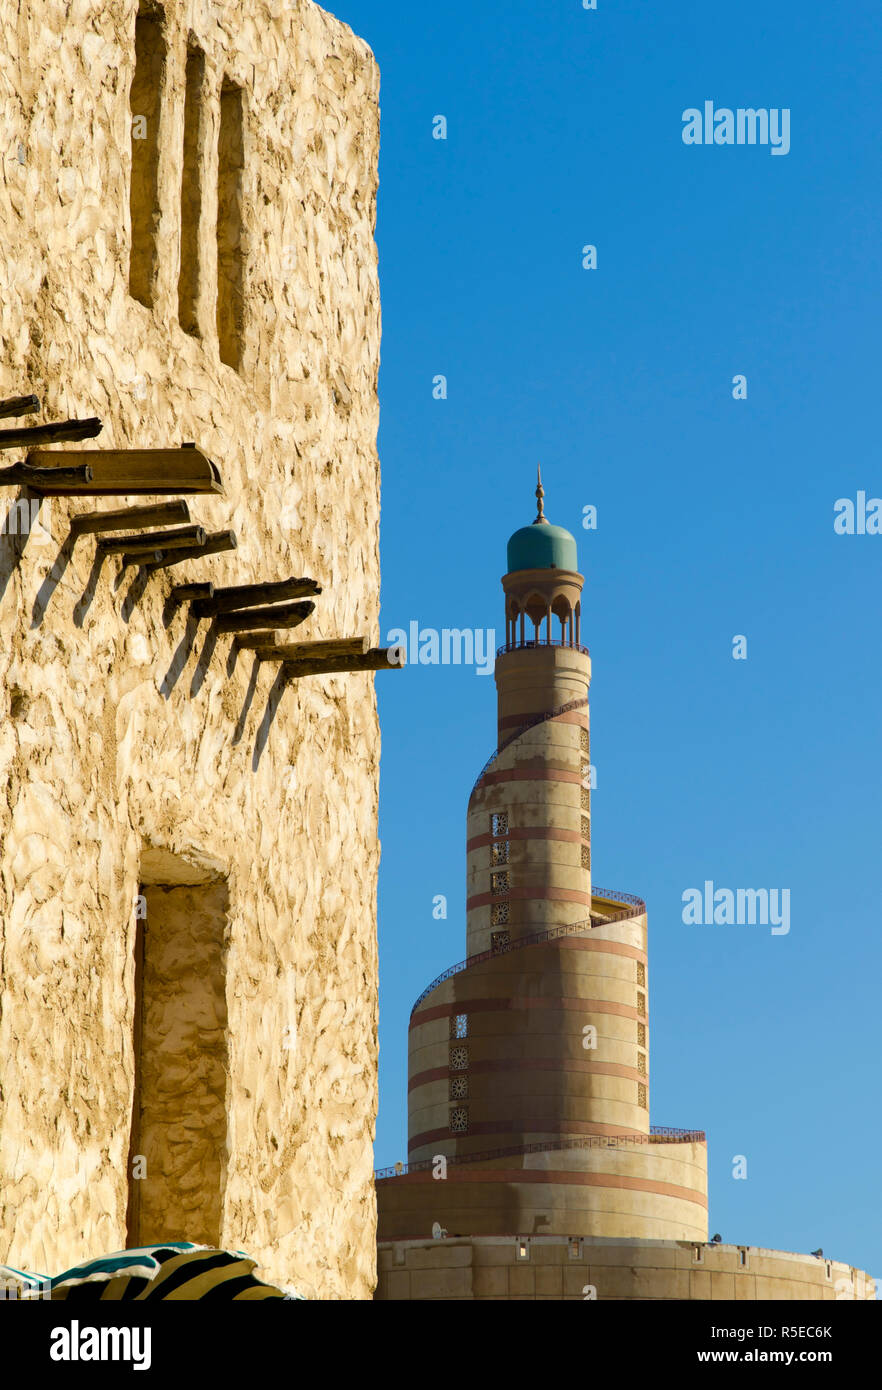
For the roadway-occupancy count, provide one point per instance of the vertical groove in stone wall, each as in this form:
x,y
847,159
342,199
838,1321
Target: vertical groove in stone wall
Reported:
x,y
136,1156
144,102
190,274
180,1086
230,232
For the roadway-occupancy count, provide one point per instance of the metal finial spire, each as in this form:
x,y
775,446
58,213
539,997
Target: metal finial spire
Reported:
x,y
540,493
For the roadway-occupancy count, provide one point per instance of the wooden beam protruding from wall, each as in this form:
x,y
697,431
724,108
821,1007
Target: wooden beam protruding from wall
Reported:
x,y
126,472
49,482
239,596
215,543
186,593
15,406
377,659
130,518
135,546
279,615
48,434
271,646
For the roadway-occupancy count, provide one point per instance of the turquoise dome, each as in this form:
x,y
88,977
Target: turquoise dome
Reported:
x,y
541,547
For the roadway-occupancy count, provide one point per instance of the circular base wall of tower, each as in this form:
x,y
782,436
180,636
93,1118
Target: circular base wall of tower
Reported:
x,y
559,1268
612,1188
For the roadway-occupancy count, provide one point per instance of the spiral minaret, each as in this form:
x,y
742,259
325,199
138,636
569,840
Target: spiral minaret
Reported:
x,y
529,1061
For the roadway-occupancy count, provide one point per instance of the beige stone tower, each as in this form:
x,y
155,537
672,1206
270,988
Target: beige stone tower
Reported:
x,y
188,831
533,1169
529,841
536,1049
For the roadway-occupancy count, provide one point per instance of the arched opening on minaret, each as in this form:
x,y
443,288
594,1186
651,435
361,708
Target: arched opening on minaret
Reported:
x,y
563,611
513,616
538,610
541,620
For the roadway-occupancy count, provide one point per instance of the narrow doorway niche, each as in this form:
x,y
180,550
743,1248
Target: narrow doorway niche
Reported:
x,y
189,276
230,229
144,101
177,1156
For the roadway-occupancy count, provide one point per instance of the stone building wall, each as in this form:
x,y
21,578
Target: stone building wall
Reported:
x,y
136,753
516,1268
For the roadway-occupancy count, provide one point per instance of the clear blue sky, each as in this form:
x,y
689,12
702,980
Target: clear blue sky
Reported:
x,y
715,518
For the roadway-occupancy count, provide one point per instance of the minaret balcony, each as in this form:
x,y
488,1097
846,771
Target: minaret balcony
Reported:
x,y
541,642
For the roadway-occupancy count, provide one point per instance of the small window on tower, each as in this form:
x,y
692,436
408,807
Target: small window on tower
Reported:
x,y
641,1034
499,915
459,1120
583,739
499,852
499,941
641,1003
586,799
641,973
459,1088
499,823
459,1058
641,1063
586,857
641,1095
459,1025
586,828
500,883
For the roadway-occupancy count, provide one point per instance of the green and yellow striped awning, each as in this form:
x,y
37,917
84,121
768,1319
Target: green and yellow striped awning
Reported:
x,y
19,1283
173,1271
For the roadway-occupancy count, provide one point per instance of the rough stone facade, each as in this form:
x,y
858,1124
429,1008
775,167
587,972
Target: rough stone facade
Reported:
x,y
217,285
